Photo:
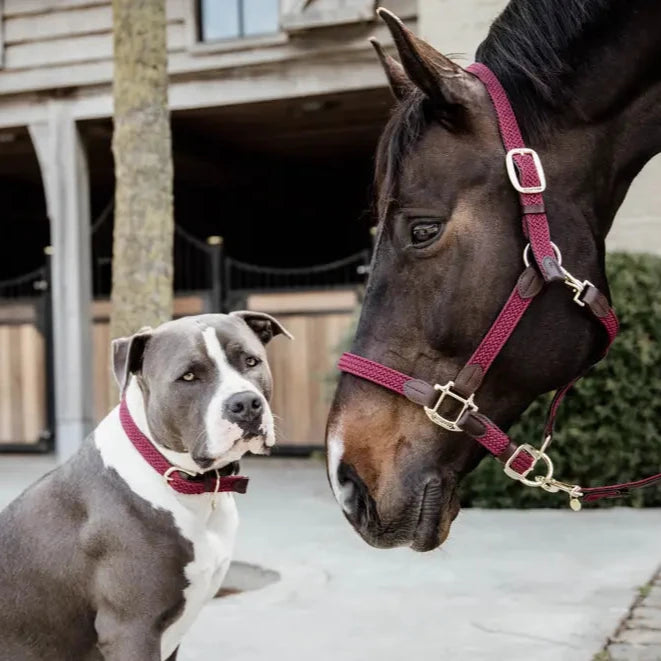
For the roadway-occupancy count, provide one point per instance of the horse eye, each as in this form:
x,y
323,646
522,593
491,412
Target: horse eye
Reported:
x,y
189,376
424,232
251,361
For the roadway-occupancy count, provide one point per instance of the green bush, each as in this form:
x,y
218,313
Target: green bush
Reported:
x,y
609,427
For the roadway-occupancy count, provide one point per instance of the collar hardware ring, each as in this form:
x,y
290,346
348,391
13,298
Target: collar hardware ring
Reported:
x,y
167,476
466,404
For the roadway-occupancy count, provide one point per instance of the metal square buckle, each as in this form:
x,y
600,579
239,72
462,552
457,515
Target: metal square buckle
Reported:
x,y
514,175
467,404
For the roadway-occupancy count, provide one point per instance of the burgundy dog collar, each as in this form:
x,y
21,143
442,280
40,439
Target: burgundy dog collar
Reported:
x,y
179,479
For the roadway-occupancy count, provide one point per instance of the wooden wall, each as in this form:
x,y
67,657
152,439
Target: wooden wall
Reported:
x,y
302,368
22,376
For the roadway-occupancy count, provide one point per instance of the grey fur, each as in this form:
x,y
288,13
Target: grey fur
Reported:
x,y
88,569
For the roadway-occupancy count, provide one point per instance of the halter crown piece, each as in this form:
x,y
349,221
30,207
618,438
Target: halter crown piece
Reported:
x,y
182,481
452,406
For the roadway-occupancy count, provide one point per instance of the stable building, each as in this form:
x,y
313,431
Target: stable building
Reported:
x,y
276,107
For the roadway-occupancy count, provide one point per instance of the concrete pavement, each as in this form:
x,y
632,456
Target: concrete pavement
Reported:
x,y
515,585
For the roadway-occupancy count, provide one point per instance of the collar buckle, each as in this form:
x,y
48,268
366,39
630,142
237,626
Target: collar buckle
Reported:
x,y
167,476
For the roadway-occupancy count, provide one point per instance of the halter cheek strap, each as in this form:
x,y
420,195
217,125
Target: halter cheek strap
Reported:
x,y
452,406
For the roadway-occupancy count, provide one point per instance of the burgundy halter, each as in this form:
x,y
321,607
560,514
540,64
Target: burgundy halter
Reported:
x,y
452,406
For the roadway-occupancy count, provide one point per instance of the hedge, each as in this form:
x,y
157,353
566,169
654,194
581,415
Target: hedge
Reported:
x,y
609,427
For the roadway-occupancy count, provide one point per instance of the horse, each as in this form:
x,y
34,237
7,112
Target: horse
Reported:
x,y
583,80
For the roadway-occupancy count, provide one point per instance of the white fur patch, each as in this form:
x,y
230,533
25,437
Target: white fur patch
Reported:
x,y
224,436
211,531
343,493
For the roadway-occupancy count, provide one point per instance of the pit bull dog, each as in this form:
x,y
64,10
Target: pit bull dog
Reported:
x,y
112,555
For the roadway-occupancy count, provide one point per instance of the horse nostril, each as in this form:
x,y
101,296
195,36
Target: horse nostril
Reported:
x,y
353,494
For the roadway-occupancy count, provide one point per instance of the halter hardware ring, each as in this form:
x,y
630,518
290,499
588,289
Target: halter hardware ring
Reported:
x,y
546,482
556,251
514,176
467,404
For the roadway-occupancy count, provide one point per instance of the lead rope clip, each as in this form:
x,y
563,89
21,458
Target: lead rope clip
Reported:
x,y
546,482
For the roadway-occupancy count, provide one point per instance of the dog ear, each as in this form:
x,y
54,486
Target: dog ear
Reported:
x,y
127,353
263,325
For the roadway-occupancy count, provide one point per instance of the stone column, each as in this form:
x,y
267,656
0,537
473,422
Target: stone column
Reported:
x,y
65,178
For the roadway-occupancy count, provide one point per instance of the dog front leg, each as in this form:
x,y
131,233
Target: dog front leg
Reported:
x,y
121,640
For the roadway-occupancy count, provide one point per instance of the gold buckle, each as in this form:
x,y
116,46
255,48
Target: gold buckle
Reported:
x,y
513,175
577,286
546,482
168,473
467,404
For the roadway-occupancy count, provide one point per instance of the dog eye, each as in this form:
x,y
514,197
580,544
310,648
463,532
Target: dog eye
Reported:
x,y
423,233
251,361
189,376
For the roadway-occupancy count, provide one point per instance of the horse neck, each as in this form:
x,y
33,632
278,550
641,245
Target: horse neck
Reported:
x,y
621,101
611,127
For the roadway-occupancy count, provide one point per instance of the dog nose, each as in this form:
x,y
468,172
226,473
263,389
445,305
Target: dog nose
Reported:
x,y
244,407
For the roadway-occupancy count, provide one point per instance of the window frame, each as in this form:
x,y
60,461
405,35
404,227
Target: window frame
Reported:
x,y
197,46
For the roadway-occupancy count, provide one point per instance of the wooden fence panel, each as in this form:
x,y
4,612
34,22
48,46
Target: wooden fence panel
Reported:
x,y
22,383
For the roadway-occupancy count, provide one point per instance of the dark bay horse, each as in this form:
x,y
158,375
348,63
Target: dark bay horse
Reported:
x,y
584,79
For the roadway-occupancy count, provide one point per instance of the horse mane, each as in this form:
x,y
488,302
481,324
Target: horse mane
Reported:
x,y
405,126
534,47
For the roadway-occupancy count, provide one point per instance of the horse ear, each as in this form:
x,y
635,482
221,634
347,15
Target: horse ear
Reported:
x,y
436,75
399,83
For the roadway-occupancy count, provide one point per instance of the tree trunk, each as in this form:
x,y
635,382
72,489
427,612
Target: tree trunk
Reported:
x,y
142,267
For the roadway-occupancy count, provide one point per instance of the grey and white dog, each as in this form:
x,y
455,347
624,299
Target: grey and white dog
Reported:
x,y
102,559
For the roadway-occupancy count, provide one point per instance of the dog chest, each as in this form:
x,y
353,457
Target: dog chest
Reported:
x,y
213,544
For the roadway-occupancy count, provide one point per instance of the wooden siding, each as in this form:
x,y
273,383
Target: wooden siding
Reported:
x,y
51,44
22,383
301,368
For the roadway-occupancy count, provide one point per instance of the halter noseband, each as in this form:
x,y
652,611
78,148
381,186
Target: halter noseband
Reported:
x,y
452,406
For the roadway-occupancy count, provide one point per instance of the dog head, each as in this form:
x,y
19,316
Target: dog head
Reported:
x,y
204,384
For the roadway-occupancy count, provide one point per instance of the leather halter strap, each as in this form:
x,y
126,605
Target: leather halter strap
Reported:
x,y
179,479
527,177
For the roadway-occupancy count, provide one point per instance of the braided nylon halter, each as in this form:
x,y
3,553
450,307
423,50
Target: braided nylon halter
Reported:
x,y
452,406
210,482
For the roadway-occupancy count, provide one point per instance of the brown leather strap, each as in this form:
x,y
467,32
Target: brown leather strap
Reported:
x,y
596,301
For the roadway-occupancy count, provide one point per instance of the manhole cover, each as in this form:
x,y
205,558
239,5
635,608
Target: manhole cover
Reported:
x,y
244,577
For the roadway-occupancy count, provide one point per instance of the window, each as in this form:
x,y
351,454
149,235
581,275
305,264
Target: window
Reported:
x,y
234,19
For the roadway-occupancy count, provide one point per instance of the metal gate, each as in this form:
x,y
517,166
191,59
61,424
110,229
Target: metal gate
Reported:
x,y
27,411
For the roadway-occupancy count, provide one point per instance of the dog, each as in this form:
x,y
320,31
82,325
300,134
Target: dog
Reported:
x,y
113,554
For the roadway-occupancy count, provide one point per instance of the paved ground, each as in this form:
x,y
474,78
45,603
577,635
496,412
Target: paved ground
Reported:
x,y
543,585
639,636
